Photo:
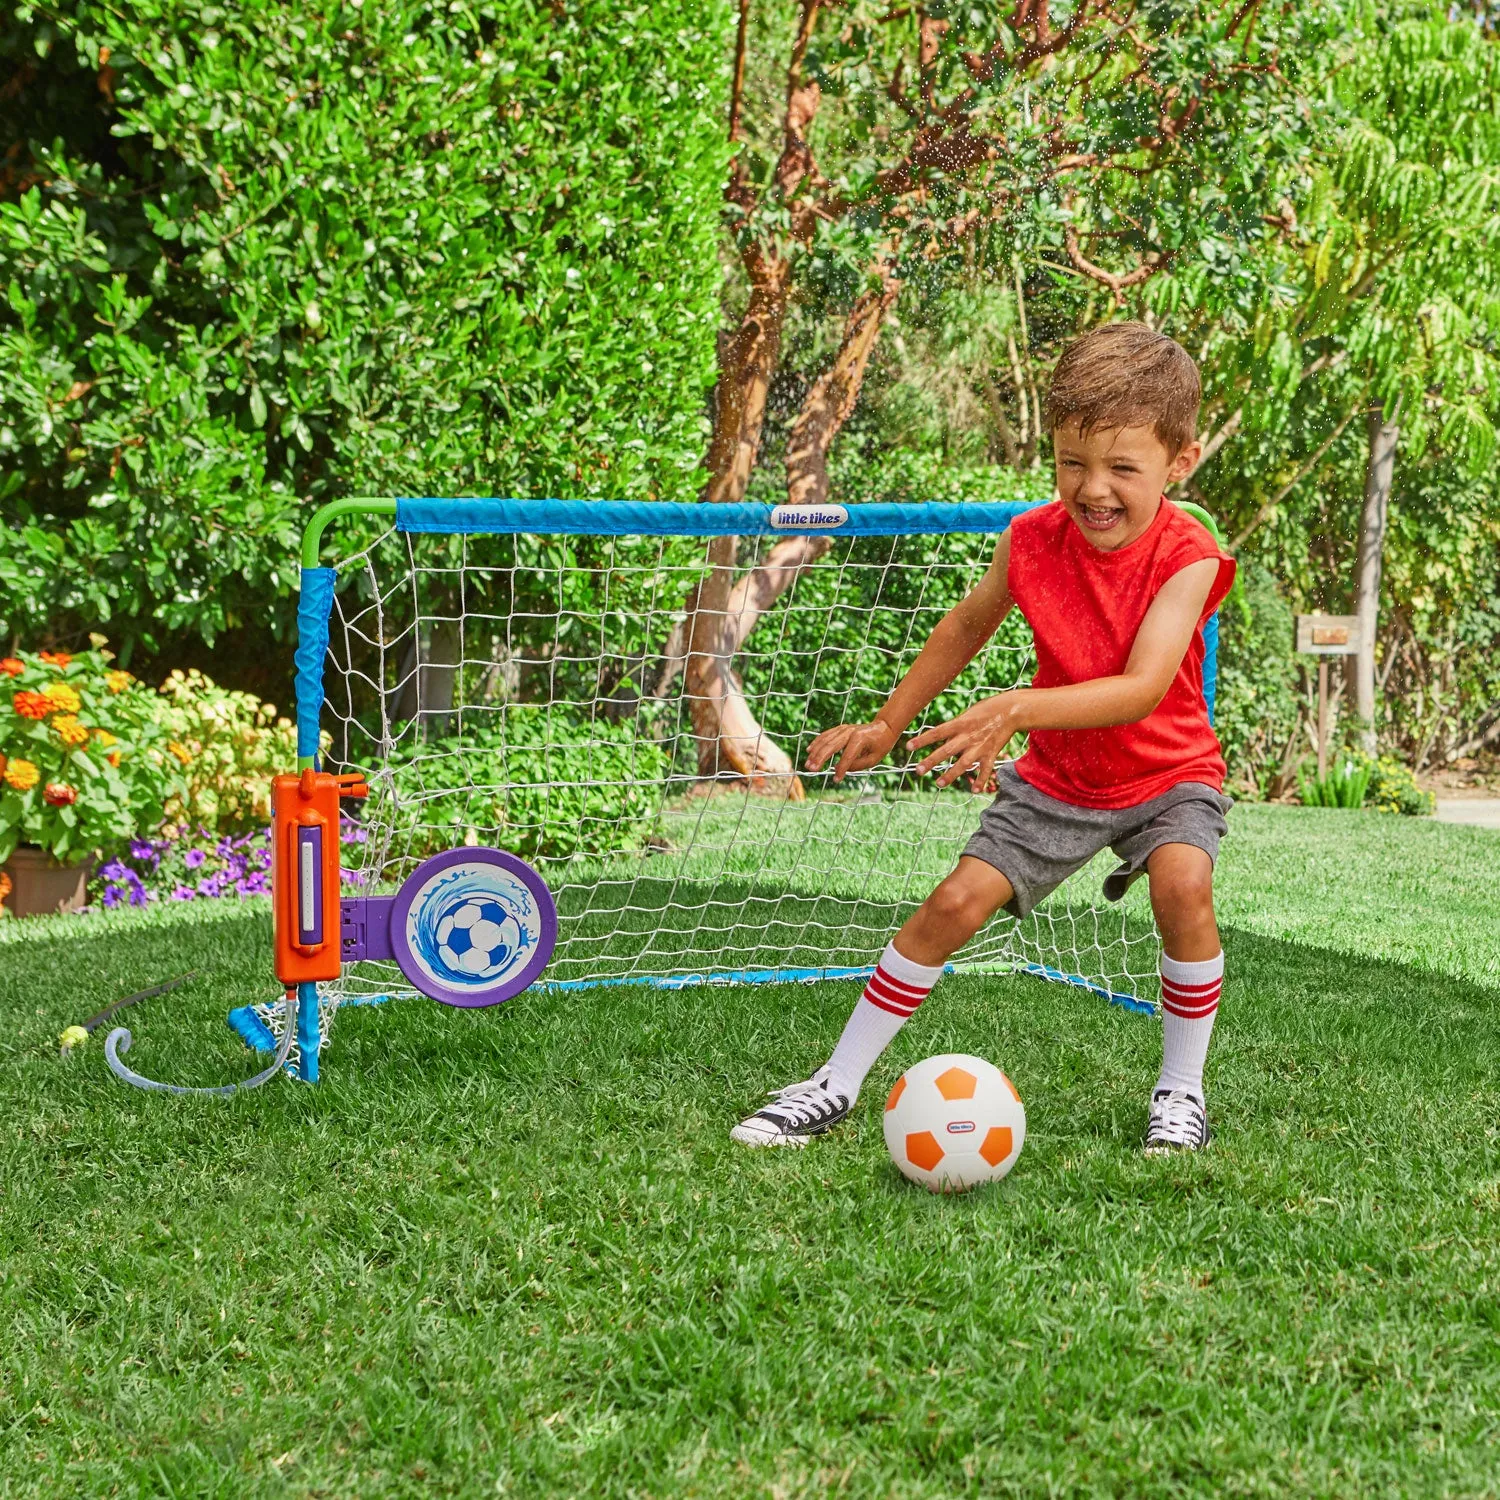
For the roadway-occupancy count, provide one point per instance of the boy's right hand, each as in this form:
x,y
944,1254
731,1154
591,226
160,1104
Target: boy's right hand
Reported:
x,y
858,747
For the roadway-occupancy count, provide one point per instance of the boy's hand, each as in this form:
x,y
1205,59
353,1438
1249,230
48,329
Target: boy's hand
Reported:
x,y
858,747
975,740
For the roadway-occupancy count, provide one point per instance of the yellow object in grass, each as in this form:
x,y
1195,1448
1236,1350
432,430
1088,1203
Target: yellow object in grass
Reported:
x,y
74,1036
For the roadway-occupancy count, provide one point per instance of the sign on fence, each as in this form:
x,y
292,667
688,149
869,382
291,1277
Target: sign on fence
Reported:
x,y
1328,635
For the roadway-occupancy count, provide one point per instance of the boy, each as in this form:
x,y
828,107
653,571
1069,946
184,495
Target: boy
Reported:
x,y
1116,583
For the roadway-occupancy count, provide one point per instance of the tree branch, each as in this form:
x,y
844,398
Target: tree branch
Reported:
x,y
737,90
1117,283
831,399
802,100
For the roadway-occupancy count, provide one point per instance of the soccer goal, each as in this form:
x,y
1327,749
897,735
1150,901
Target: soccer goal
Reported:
x,y
574,682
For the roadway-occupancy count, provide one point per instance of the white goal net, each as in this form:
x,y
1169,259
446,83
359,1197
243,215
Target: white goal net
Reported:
x,y
505,677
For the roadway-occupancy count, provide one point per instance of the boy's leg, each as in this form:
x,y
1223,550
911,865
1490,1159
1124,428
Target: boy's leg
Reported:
x,y
1192,976
912,964
906,973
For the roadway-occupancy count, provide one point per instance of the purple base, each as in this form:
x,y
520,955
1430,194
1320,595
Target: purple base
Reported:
x,y
367,928
374,927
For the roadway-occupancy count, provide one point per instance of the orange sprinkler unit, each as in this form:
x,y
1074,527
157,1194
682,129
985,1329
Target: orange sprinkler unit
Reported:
x,y
305,873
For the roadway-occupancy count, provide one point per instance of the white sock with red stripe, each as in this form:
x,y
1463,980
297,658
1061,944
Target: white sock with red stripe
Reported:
x,y
1189,1002
896,988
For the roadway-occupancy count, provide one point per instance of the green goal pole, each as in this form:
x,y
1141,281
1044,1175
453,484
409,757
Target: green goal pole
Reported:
x,y
355,505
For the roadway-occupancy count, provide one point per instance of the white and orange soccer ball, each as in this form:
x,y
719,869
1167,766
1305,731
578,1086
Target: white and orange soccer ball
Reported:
x,y
953,1122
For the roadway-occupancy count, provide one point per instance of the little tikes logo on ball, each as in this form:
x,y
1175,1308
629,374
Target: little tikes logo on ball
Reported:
x,y
808,517
960,1127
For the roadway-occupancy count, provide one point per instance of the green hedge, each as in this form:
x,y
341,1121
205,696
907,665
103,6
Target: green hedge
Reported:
x,y
256,256
540,782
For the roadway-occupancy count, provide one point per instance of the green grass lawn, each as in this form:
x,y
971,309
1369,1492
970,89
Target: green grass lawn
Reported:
x,y
515,1253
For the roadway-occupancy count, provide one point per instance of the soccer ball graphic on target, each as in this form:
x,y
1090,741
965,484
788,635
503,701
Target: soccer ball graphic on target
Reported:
x,y
953,1122
478,938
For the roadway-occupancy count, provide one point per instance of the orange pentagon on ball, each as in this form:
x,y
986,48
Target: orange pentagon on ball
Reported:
x,y
956,1083
923,1150
996,1145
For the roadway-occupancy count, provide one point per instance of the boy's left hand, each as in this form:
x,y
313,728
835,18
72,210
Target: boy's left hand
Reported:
x,y
975,740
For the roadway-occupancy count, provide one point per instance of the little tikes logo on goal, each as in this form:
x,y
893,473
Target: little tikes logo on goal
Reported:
x,y
808,517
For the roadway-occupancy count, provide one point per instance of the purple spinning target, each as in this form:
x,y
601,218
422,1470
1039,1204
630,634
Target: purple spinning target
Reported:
x,y
469,927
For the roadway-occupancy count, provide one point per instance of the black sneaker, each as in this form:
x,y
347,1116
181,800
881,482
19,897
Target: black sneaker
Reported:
x,y
1178,1122
801,1111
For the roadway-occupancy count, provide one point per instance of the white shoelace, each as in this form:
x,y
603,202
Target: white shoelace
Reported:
x,y
804,1103
1176,1120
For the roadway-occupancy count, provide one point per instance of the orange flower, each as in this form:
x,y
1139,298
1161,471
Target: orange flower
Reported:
x,y
114,758
117,681
32,705
11,667
70,731
55,658
181,752
21,775
64,700
59,794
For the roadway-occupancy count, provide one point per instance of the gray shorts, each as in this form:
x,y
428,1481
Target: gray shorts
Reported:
x,y
1036,842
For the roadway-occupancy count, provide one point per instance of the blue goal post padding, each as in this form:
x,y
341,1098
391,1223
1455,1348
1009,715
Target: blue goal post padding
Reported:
x,y
668,518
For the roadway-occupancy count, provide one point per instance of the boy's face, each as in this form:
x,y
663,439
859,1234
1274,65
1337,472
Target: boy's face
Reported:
x,y
1111,480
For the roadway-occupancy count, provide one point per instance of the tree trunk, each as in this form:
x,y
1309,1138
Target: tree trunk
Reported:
x,y
830,402
729,739
1384,435
724,612
747,360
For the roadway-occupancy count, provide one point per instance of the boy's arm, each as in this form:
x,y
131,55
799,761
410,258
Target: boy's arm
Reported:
x,y
950,648
978,737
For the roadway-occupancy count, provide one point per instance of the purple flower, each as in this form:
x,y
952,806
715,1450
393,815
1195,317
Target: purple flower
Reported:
x,y
225,847
143,849
138,895
183,893
354,877
193,858
115,870
212,886
235,868
112,896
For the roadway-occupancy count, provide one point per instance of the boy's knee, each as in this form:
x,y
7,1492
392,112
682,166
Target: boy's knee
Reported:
x,y
956,906
1182,884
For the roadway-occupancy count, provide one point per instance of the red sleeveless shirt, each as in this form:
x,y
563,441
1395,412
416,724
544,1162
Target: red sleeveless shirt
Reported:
x,y
1085,606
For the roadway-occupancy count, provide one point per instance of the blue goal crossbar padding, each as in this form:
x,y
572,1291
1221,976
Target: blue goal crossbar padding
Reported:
x,y
667,518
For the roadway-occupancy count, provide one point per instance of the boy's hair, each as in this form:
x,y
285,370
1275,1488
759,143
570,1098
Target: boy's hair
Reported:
x,y
1127,375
